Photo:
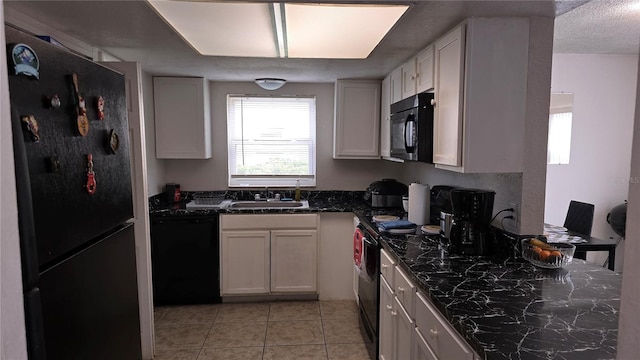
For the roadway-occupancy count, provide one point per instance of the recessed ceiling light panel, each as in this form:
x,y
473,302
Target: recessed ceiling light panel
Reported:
x,y
245,29
221,29
338,31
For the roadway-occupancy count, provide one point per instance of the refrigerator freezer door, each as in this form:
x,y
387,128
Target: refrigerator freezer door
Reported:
x,y
90,302
33,325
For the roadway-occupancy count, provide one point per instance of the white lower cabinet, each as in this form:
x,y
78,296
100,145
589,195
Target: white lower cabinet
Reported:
x,y
421,350
264,254
293,260
385,332
440,336
411,328
245,262
397,325
405,290
387,268
404,326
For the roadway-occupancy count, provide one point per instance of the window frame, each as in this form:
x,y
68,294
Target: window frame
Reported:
x,y
559,138
308,180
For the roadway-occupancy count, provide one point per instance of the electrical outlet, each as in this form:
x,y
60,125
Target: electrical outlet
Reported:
x,y
516,215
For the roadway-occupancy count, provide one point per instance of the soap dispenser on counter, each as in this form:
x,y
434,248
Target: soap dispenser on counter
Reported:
x,y
297,195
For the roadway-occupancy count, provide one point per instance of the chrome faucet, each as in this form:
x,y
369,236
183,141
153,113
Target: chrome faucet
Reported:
x,y
262,195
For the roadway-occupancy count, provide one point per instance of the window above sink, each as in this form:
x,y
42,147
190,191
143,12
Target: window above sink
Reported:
x,y
271,140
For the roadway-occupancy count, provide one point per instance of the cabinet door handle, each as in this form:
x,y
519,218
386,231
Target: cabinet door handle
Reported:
x,y
433,102
394,313
400,289
433,333
384,266
389,307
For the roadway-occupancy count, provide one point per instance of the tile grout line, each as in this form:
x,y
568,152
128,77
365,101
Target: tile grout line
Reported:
x,y
266,330
324,336
208,333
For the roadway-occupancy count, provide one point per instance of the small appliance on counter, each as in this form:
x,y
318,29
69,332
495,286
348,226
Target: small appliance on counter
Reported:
x,y
471,229
386,193
446,223
440,202
172,192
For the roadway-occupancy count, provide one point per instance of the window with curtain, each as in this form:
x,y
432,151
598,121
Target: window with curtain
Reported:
x,y
271,140
559,143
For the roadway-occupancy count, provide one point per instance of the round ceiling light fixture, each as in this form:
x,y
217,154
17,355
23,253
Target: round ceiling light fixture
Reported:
x,y
270,83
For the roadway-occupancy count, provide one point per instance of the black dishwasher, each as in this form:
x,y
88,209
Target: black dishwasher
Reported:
x,y
185,259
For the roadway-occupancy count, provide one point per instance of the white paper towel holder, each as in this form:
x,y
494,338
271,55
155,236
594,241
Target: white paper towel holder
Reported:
x,y
419,203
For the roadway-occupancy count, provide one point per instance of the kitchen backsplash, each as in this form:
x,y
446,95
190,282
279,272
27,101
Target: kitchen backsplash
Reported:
x,y
508,186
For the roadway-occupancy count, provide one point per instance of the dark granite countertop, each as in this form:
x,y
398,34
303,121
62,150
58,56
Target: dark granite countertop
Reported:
x,y
319,201
511,309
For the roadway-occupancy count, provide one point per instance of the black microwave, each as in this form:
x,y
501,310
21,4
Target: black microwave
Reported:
x,y
412,128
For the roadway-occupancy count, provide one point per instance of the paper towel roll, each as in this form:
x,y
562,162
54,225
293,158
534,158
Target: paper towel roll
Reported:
x,y
419,203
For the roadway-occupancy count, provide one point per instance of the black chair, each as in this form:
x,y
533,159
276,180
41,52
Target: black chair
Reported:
x,y
579,219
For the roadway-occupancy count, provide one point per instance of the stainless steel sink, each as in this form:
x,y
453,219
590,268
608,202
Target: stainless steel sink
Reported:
x,y
237,204
304,204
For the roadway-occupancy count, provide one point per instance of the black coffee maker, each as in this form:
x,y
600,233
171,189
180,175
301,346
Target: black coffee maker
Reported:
x,y
472,210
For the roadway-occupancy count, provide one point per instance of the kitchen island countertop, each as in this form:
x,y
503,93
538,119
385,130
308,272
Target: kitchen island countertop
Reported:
x,y
511,309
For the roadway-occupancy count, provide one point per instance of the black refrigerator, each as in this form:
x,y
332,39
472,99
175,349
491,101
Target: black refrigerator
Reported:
x,y
73,182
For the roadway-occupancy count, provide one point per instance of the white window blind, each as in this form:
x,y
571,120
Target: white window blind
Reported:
x,y
559,142
271,140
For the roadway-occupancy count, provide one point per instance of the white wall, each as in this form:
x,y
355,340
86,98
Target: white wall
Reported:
x,y
12,329
156,171
335,256
211,174
629,324
604,88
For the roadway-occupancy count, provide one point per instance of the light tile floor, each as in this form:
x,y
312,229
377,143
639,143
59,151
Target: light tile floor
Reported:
x,y
300,330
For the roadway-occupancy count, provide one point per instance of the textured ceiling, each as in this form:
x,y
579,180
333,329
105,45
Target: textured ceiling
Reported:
x,y
132,31
599,27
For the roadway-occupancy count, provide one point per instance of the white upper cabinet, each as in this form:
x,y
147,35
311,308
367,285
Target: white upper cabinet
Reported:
x,y
409,76
395,83
424,68
385,118
182,118
480,96
447,127
417,73
356,128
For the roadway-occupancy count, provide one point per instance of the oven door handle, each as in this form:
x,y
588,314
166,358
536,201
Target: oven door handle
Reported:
x,y
370,266
366,240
